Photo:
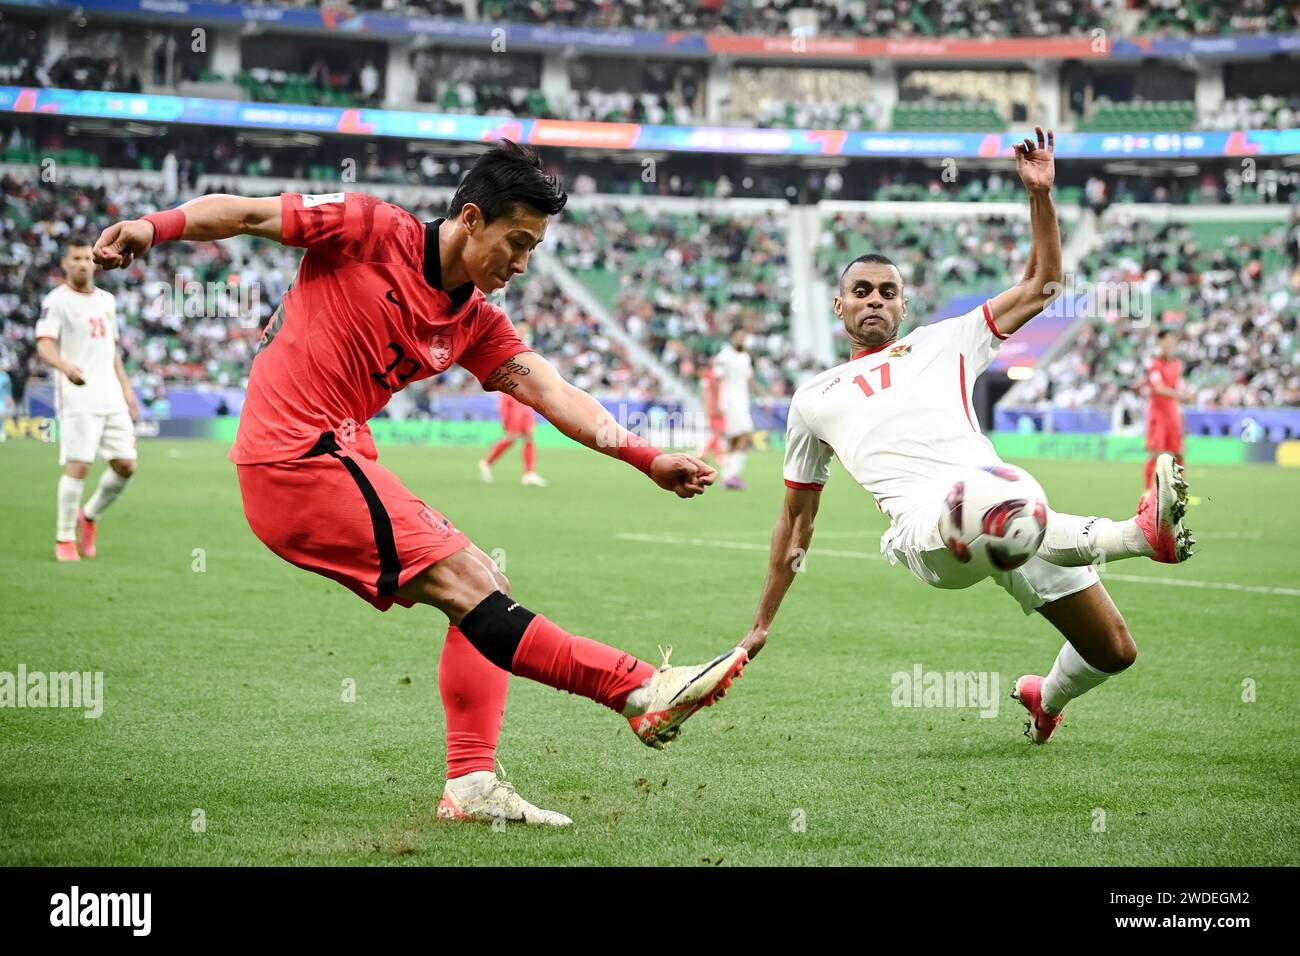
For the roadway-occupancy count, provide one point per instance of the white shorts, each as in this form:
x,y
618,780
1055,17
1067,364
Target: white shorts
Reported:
x,y
82,436
914,539
737,419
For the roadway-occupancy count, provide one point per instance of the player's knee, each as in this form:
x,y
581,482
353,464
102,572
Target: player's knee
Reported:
x,y
77,469
455,585
124,467
1121,649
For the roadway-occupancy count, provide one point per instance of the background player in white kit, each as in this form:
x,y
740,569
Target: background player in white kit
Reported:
x,y
735,371
899,417
77,337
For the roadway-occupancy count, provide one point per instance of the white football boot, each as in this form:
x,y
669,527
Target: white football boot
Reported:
x,y
534,479
658,710
485,471
483,797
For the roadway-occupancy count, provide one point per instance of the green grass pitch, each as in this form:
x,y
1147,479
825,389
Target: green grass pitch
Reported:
x,y
224,687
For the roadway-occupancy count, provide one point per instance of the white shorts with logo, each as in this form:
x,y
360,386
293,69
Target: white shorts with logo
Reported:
x,y
81,437
914,540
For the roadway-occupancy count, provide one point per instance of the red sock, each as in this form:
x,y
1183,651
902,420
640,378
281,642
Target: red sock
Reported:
x,y
499,449
551,655
530,453
473,693
1150,472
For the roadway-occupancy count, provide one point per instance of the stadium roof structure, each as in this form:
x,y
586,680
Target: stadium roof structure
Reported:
x,y
319,19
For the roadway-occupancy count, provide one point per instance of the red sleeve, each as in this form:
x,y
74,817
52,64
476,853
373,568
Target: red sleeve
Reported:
x,y
495,341
351,225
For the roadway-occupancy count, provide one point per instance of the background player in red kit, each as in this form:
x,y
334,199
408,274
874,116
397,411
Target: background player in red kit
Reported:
x,y
712,390
517,421
1165,416
381,300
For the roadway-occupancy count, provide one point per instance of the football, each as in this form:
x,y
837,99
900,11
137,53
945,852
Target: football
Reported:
x,y
994,516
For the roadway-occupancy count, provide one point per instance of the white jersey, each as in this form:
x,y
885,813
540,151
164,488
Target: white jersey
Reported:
x,y
85,326
734,370
899,418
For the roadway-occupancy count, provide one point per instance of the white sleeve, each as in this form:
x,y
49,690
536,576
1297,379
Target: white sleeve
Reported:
x,y
807,457
50,324
977,337
114,323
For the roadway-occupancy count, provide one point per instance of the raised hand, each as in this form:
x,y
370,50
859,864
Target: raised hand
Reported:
x,y
1037,164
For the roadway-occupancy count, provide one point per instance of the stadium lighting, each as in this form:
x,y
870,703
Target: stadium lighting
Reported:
x,y
1019,373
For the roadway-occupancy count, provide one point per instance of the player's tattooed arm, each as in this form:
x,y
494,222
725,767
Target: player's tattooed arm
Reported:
x,y
531,379
790,541
535,382
509,377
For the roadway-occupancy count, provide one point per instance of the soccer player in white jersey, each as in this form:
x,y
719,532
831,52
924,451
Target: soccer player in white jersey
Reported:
x,y
735,372
898,415
77,337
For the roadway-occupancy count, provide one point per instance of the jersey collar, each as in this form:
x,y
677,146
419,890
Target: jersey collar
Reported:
x,y
863,353
433,267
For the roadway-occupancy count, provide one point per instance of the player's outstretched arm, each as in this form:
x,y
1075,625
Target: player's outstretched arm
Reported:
x,y
535,382
790,540
1042,282
205,219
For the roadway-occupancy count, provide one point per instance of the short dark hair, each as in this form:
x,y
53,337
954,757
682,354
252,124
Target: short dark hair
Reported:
x,y
872,258
75,240
506,175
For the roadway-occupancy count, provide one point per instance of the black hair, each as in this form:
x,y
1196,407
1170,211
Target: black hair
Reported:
x,y
871,258
506,175
76,239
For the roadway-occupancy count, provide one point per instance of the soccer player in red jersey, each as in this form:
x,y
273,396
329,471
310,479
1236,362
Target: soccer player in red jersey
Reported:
x,y
712,390
1165,417
380,300
517,422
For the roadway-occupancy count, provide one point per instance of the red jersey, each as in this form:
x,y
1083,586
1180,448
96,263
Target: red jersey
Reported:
x,y
365,316
1167,373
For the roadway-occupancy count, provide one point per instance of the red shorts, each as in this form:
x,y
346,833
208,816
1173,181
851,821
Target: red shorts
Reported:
x,y
516,417
340,513
1165,435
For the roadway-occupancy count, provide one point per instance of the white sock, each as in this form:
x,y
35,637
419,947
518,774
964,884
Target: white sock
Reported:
x,y
69,499
725,464
638,701
106,492
1070,677
471,784
1074,541
738,463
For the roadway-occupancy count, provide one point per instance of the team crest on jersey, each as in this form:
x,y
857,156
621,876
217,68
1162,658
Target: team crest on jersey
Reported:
x,y
440,352
898,351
